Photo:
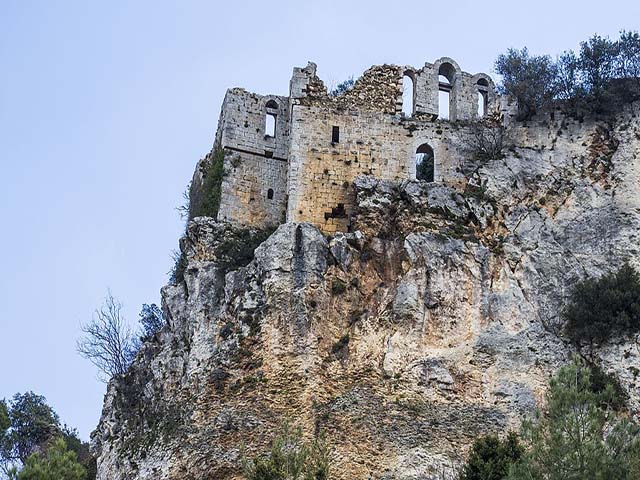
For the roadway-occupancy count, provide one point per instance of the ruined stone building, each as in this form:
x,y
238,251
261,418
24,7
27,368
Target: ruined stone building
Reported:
x,y
294,158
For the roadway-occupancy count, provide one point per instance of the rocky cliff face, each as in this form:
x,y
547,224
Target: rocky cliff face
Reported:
x,y
436,321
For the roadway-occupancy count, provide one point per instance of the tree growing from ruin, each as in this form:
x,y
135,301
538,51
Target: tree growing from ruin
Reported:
x,y
343,87
530,79
589,80
489,138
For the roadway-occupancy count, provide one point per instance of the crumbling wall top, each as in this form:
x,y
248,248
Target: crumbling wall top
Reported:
x,y
380,89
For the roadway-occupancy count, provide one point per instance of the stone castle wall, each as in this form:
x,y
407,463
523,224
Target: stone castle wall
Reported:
x,y
255,166
321,172
303,171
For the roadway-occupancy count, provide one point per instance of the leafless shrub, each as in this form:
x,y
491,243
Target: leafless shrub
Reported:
x,y
108,341
489,138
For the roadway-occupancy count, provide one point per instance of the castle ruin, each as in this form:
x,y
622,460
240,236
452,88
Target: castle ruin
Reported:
x,y
294,158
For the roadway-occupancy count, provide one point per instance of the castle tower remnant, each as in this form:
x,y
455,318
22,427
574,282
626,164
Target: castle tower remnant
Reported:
x,y
295,158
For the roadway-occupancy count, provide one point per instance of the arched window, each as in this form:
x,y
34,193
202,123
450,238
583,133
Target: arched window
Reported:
x,y
425,163
408,95
483,96
270,119
446,79
270,194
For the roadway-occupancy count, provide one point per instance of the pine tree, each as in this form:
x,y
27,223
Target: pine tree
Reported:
x,y
577,436
56,464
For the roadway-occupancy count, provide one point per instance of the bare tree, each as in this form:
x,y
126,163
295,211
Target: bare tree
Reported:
x,y
489,138
108,341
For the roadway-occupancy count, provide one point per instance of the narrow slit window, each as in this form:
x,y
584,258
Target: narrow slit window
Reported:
x,y
444,100
482,104
270,194
335,134
483,97
270,127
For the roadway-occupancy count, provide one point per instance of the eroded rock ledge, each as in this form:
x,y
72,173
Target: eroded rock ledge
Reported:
x,y
435,321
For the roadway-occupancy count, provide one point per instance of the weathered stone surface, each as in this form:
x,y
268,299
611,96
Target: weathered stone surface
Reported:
x,y
303,172
450,299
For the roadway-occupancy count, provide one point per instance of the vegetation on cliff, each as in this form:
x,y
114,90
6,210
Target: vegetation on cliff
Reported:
x,y
35,446
597,79
576,434
291,458
205,202
605,307
108,341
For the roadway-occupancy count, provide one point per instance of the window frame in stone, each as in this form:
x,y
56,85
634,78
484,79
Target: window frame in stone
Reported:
x,y
482,85
448,71
424,149
411,76
335,134
271,112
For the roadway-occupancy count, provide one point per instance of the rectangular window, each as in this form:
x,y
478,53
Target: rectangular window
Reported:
x,y
335,134
270,130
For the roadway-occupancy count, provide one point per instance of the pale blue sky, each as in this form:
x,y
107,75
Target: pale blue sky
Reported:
x,y
105,107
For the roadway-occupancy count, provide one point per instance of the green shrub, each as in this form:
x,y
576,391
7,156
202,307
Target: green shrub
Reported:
x,y
600,382
598,78
238,250
342,87
338,286
290,458
340,344
56,463
176,275
491,457
604,307
206,202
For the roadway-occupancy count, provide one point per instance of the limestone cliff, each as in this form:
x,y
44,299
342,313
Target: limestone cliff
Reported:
x,y
435,321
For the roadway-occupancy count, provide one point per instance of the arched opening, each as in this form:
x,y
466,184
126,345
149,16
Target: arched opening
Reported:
x,y
270,194
270,119
425,163
446,80
408,95
483,96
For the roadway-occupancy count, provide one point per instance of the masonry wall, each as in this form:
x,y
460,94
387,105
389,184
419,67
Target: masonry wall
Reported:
x,y
321,172
255,163
300,175
463,95
248,183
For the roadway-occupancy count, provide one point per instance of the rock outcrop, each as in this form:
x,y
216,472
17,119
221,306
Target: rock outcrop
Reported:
x,y
435,321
